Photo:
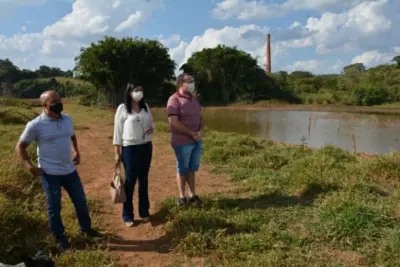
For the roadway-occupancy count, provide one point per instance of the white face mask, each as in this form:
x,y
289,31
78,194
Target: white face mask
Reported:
x,y
137,96
191,87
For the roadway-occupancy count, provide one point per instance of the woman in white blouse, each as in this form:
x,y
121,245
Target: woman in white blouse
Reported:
x,y
133,130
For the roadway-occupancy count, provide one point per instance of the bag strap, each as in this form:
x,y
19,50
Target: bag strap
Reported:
x,y
117,168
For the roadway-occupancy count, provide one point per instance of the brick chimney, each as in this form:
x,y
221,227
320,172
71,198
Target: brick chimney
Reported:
x,y
268,63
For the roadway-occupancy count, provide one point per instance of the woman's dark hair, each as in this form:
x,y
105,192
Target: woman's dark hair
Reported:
x,y
128,98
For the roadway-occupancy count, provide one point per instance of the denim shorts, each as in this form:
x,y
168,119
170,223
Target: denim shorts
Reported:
x,y
188,157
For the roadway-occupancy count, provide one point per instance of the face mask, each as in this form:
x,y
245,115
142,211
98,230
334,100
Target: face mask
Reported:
x,y
57,108
137,96
191,87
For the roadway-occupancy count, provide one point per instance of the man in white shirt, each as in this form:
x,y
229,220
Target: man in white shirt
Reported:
x,y
54,135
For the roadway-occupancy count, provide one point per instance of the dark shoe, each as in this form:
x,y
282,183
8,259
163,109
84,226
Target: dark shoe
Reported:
x,y
39,260
94,234
182,201
196,201
62,244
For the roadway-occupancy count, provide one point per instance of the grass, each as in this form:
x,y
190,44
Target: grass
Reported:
x,y
23,214
292,206
394,105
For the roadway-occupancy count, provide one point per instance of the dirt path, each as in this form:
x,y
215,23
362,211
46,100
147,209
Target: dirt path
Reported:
x,y
142,245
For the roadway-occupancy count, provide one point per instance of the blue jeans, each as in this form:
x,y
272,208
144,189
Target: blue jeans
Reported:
x,y
188,157
137,161
72,184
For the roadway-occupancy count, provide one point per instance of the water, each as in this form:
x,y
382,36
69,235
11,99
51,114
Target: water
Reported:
x,y
372,133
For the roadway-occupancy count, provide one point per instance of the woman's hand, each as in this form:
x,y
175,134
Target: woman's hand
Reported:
x,y
117,158
149,130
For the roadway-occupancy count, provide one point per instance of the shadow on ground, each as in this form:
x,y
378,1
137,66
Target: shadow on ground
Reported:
x,y
180,225
276,199
161,245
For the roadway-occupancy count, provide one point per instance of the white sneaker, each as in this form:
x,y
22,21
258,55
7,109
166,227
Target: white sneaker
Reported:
x,y
129,224
146,219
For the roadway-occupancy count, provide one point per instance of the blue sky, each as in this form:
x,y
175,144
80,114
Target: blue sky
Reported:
x,y
321,36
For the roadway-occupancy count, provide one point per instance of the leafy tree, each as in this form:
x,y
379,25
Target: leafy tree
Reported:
x,y
225,74
48,72
368,95
69,73
27,74
34,87
112,63
9,73
357,85
281,78
301,74
354,68
397,60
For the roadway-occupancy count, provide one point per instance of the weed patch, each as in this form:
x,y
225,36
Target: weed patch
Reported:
x,y
23,214
292,206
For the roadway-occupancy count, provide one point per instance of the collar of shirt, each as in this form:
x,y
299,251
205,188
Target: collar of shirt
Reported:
x,y
46,117
184,96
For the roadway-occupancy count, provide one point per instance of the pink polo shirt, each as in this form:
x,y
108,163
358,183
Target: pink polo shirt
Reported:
x,y
188,110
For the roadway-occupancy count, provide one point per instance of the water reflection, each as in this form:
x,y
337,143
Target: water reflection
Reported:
x,y
373,133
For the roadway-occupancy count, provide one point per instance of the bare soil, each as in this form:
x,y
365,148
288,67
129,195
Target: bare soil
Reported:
x,y
143,244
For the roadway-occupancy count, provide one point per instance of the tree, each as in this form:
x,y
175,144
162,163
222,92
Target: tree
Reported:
x,y
9,73
281,78
354,68
397,60
49,72
112,63
69,74
225,74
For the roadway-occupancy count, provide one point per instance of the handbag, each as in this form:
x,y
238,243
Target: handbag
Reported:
x,y
117,189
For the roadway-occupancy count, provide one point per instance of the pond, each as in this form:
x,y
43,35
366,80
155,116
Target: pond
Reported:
x,y
369,133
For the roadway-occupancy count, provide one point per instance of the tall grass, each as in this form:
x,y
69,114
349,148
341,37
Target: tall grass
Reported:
x,y
23,214
292,206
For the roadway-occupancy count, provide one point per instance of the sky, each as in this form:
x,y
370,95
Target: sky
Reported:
x,y
321,36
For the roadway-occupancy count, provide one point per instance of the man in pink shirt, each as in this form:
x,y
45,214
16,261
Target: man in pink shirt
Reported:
x,y
186,125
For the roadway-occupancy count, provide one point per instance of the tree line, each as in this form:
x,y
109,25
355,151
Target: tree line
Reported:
x,y
24,83
226,74
223,75
356,85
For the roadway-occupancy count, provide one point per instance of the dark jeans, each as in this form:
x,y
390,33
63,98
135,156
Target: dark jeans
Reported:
x,y
136,160
72,184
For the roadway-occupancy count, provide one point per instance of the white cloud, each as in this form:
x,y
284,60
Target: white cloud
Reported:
x,y
314,66
367,26
247,10
130,22
250,38
374,57
88,21
338,66
174,39
94,18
